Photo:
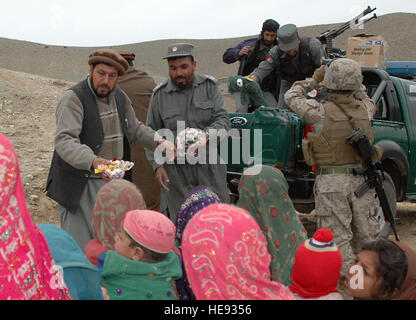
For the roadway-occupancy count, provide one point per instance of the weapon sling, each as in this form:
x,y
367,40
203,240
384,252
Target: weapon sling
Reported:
x,y
373,178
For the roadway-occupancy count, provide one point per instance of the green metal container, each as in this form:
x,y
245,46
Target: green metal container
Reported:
x,y
268,136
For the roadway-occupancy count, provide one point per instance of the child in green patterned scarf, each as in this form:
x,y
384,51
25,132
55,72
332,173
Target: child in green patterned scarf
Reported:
x,y
264,194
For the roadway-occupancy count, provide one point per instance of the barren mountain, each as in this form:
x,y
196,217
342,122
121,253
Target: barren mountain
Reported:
x,y
28,99
70,63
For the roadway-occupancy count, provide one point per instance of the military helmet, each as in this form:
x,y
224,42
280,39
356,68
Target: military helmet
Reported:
x,y
343,74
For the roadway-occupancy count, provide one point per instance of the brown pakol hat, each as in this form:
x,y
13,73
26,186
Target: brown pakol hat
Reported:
x,y
127,54
110,57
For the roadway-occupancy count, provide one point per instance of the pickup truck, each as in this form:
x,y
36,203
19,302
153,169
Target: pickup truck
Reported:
x,y
282,132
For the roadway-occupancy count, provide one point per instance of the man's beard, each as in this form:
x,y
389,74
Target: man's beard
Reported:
x,y
182,85
99,95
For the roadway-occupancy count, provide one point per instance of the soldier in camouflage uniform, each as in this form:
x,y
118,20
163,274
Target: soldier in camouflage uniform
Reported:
x,y
351,219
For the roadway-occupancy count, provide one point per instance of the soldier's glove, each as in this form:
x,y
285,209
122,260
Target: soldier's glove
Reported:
x,y
319,74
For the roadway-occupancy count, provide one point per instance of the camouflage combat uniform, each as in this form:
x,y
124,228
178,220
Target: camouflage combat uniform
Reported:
x,y
351,219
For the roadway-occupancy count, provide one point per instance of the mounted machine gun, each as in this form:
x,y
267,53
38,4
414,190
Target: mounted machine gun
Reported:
x,y
327,36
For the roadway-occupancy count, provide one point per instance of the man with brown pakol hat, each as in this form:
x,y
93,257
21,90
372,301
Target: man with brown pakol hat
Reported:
x,y
138,85
95,123
188,100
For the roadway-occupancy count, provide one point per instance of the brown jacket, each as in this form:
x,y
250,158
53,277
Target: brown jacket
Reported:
x,y
138,85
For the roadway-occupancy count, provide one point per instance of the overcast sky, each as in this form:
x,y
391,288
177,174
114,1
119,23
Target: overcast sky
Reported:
x,y
104,22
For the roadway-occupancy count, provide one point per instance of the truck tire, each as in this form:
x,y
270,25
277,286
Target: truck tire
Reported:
x,y
395,163
390,190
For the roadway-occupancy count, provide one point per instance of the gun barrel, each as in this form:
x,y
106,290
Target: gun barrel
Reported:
x,y
385,206
354,21
368,10
374,16
361,15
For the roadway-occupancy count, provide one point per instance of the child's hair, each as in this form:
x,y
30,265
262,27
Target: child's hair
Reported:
x,y
150,256
392,266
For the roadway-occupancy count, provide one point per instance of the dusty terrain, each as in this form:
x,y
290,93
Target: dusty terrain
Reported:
x,y
27,118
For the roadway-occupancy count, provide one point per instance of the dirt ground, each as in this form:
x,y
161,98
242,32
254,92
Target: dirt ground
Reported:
x,y
27,118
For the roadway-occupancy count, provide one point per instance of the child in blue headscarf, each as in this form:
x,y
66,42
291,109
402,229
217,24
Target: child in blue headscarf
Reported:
x,y
81,277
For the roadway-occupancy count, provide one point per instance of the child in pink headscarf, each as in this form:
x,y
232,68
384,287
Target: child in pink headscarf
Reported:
x,y
27,269
143,265
226,258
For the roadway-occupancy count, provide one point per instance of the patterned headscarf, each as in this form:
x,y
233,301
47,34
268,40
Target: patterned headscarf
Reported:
x,y
225,256
265,196
111,205
199,198
27,269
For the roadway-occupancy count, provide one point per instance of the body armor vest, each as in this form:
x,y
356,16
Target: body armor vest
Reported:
x,y
330,146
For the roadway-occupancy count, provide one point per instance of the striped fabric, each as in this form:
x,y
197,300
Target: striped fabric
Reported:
x,y
112,145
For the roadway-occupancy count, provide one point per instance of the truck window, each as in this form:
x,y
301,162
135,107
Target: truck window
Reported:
x,y
381,90
371,89
381,105
411,92
381,109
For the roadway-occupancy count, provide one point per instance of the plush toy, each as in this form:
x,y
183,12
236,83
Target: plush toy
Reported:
x,y
250,90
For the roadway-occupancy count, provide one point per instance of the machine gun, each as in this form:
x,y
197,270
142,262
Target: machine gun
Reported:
x,y
327,36
373,172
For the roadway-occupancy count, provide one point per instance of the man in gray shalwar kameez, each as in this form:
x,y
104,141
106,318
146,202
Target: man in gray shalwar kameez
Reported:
x,y
187,100
95,123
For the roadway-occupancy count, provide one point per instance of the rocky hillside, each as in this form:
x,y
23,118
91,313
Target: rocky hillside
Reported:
x,y
27,118
70,63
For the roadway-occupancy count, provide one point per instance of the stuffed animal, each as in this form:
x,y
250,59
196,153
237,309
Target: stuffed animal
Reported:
x,y
250,90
